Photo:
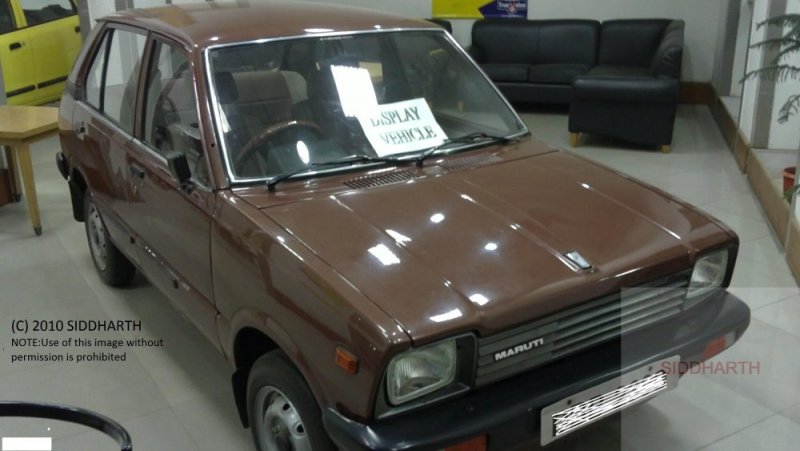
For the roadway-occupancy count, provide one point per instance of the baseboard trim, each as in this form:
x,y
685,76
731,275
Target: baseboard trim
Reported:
x,y
737,143
775,206
793,248
697,93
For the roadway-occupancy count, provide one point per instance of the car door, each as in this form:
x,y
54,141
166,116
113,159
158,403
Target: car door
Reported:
x,y
55,39
16,56
103,119
173,222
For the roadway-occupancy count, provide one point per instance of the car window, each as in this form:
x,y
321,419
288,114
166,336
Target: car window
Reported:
x,y
122,76
41,11
170,110
6,18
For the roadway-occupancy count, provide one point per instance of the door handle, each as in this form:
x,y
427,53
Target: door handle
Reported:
x,y
78,29
136,171
80,131
15,46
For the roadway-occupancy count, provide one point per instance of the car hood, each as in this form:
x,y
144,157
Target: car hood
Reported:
x,y
483,249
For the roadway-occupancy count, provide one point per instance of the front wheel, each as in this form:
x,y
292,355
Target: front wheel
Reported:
x,y
283,413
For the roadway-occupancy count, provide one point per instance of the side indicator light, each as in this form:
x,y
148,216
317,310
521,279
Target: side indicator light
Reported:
x,y
346,360
718,345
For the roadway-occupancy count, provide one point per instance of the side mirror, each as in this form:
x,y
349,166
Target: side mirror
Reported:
x,y
179,168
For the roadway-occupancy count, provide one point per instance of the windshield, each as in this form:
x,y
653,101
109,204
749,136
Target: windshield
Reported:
x,y
287,104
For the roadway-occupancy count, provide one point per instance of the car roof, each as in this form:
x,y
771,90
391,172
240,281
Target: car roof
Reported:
x,y
210,23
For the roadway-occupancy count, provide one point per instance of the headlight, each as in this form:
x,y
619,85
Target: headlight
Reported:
x,y
708,273
421,371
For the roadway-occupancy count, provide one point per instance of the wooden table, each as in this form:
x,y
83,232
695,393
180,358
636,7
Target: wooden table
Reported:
x,y
19,127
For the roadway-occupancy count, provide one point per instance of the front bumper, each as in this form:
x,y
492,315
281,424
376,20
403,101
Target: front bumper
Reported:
x,y
509,411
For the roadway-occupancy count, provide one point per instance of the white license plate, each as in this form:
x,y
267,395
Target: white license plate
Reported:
x,y
584,408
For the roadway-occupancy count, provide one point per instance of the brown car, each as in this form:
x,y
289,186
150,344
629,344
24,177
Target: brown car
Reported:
x,y
343,203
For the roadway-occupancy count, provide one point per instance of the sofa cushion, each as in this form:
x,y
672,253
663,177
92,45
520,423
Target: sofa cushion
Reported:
x,y
567,41
615,89
556,73
535,41
608,70
506,72
630,42
505,41
667,61
535,92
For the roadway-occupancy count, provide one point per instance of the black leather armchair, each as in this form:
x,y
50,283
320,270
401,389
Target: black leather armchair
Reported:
x,y
633,92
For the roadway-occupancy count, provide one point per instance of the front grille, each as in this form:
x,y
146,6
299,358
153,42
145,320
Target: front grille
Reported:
x,y
578,328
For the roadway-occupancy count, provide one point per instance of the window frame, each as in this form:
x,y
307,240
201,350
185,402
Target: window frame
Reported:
x,y
14,20
149,59
103,43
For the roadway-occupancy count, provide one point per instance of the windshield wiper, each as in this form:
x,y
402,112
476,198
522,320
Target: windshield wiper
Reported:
x,y
466,139
352,159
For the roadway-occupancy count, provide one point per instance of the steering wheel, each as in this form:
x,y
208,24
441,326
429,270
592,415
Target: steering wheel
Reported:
x,y
249,149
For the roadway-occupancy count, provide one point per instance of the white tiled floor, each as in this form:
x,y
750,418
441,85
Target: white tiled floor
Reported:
x,y
178,397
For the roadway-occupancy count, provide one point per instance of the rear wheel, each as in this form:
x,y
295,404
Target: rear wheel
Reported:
x,y
283,413
111,264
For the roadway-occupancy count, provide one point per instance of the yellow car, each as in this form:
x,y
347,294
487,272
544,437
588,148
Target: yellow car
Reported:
x,y
39,40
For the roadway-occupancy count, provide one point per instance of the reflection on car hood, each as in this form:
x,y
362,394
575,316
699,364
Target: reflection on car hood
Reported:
x,y
482,250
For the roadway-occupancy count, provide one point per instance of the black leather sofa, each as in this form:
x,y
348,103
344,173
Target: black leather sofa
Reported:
x,y
620,77
535,60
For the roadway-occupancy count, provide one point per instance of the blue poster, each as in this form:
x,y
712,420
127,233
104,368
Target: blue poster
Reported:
x,y
506,8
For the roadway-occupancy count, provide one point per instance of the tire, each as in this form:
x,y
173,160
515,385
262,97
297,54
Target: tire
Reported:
x,y
111,264
283,413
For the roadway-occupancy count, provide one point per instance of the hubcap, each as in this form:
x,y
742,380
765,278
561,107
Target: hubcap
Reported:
x,y
97,238
281,428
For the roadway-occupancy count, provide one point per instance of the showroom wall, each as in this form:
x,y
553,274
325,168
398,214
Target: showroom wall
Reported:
x,y
100,9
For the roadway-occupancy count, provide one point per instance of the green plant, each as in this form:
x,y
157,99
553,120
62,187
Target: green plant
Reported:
x,y
789,193
780,69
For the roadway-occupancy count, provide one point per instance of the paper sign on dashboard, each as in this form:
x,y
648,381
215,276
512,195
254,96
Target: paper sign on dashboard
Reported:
x,y
401,127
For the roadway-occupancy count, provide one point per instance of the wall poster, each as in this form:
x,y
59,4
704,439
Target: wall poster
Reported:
x,y
479,9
